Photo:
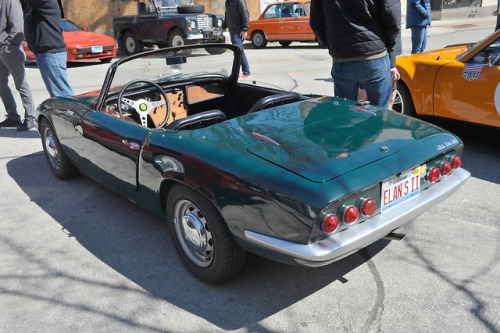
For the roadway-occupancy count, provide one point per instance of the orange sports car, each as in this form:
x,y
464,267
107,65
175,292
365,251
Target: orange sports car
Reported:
x,y
82,44
283,22
459,82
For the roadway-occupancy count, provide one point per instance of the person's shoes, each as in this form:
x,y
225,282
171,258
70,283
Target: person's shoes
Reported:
x,y
26,125
10,123
244,76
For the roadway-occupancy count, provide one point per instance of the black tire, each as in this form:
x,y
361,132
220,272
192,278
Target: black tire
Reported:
x,y
192,9
176,38
130,45
210,252
403,103
216,50
259,40
285,44
106,60
57,159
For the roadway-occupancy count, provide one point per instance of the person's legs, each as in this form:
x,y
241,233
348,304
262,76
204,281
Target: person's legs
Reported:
x,y
424,39
53,70
345,81
5,92
238,41
417,39
18,72
375,76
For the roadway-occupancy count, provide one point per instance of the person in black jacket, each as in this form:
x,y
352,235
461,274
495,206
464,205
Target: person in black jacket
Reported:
x,y
12,63
238,22
360,37
42,27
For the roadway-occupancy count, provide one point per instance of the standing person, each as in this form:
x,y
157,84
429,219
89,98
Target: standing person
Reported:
x,y
238,22
360,36
418,17
42,26
12,63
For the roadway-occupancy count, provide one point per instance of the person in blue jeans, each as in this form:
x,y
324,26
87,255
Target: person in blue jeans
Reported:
x,y
418,18
360,37
12,64
237,21
43,31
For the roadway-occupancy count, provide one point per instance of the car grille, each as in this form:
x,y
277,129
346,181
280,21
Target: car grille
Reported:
x,y
204,22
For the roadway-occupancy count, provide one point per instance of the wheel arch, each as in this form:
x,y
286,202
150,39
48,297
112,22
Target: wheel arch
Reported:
x,y
122,33
167,185
258,30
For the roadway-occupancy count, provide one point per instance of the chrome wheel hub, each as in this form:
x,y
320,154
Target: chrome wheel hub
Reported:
x,y
51,149
193,232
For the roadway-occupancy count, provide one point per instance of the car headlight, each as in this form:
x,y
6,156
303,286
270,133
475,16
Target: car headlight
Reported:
x,y
219,23
193,24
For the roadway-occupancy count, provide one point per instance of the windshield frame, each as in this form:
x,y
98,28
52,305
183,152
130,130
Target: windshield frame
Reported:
x,y
110,74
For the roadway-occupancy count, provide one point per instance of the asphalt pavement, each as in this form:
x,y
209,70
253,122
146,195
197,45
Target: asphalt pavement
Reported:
x,y
76,257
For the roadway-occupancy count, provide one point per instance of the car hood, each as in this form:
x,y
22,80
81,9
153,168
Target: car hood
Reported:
x,y
324,138
449,53
85,38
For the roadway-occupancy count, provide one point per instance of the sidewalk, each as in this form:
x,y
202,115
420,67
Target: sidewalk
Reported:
x,y
454,25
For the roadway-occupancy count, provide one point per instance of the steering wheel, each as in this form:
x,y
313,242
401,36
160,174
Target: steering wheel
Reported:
x,y
142,106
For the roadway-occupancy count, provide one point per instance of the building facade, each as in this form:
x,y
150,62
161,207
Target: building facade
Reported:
x,y
98,15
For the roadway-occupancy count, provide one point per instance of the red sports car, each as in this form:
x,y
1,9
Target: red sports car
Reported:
x,y
82,44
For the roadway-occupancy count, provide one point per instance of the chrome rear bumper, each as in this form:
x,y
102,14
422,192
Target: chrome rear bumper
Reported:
x,y
344,243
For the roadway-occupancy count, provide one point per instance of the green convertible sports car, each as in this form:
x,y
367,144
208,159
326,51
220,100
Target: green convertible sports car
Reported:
x,y
235,167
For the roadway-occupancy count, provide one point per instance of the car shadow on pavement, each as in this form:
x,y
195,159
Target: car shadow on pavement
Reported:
x,y
481,147
137,245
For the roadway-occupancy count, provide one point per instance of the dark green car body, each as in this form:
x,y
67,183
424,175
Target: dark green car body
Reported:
x,y
272,174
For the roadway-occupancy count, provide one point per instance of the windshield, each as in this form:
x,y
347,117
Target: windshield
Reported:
x,y
167,65
173,3
469,49
67,25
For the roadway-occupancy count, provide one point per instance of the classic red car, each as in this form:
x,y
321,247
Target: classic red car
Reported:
x,y
283,22
82,44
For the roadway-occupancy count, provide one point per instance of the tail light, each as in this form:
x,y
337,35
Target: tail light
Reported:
x,y
433,175
456,162
350,214
367,207
330,223
445,168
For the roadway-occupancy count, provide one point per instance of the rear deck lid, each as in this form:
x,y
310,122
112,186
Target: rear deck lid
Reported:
x,y
323,139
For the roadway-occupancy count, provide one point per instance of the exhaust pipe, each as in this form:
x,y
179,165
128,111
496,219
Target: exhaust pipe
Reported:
x,y
395,236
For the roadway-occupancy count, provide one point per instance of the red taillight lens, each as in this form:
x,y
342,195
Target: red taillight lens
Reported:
x,y
368,207
456,162
445,168
350,215
330,223
433,175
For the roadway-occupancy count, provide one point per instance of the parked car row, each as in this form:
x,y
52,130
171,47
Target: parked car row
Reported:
x,y
283,22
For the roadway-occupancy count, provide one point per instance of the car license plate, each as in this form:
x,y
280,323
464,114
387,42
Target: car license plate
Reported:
x,y
97,49
399,189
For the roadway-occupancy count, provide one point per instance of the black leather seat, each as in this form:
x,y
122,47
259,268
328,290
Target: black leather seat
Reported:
x,y
274,100
202,118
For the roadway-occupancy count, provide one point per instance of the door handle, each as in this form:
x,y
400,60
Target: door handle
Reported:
x,y
132,145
